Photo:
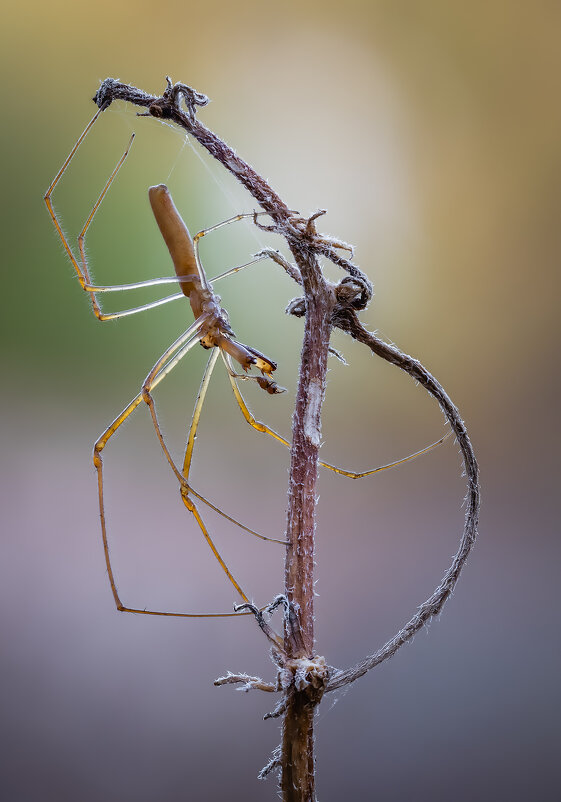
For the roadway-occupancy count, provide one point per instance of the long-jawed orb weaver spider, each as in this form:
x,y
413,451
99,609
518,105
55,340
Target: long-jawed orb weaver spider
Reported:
x,y
211,329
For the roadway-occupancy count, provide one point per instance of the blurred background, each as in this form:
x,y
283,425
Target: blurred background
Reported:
x,y
430,131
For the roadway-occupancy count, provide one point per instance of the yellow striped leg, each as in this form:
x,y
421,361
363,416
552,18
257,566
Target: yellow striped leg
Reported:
x,y
261,427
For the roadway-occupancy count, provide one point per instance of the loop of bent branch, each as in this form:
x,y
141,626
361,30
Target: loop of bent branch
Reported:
x,y
347,321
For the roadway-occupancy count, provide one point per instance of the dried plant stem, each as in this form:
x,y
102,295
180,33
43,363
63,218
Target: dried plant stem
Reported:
x,y
303,677
297,781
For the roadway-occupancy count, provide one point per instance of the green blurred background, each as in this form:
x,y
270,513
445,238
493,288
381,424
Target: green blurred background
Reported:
x,y
430,131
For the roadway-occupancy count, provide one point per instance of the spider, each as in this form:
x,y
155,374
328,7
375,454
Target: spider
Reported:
x,y
211,328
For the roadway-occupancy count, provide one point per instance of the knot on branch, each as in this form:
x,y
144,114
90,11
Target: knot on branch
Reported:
x,y
304,228
308,676
296,307
301,233
305,675
170,101
353,292
106,93
304,240
191,98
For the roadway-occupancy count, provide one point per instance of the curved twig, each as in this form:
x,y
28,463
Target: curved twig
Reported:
x,y
348,321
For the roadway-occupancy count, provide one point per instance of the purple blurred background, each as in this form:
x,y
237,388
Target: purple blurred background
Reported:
x,y
431,134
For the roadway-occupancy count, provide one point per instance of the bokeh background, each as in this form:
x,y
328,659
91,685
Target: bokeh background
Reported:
x,y
430,131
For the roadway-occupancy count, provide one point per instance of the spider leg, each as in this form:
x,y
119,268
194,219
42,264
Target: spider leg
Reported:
x,y
160,370
135,285
261,427
197,416
185,487
146,394
206,231
362,474
183,477
265,253
47,198
83,275
153,378
81,265
257,425
258,258
136,309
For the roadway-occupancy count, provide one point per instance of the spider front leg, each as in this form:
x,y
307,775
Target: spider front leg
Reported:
x,y
81,264
82,268
83,277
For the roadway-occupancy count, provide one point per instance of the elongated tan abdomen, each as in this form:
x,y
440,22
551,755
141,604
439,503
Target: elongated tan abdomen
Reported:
x,y
175,234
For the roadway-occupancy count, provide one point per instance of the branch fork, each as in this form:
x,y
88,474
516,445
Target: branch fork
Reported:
x,y
308,676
